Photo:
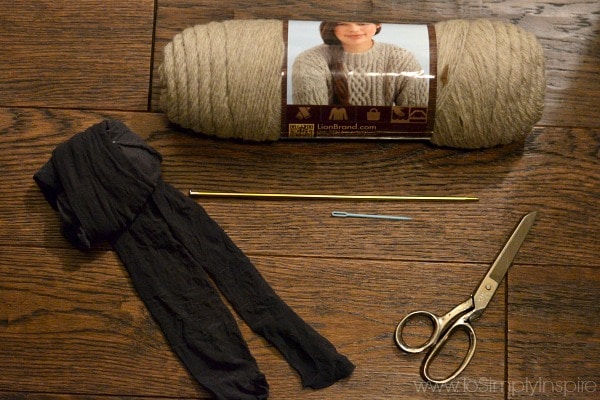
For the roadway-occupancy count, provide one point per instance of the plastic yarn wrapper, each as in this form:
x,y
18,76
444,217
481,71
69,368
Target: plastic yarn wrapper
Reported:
x,y
225,79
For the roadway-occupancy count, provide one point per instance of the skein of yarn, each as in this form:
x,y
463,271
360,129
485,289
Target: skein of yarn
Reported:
x,y
224,79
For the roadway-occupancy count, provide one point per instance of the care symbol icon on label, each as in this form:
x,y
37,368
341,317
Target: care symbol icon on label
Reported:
x,y
400,114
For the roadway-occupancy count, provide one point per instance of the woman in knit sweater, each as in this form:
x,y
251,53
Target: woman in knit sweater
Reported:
x,y
350,68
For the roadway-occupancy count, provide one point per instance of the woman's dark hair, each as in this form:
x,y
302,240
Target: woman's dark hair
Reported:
x,y
341,92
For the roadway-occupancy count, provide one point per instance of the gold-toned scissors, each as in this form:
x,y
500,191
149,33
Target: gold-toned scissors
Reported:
x,y
463,314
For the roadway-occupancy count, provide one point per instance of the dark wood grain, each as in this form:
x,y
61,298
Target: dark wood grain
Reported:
x,y
73,328
50,50
353,271
510,181
553,338
73,317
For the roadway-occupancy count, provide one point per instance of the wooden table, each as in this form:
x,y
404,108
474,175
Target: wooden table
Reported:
x,y
72,326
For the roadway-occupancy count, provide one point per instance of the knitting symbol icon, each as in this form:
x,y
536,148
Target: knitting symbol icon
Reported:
x,y
303,113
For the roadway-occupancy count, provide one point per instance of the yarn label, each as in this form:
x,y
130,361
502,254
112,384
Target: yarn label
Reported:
x,y
358,80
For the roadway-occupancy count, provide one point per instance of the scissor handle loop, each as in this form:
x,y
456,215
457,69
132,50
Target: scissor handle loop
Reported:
x,y
462,323
435,334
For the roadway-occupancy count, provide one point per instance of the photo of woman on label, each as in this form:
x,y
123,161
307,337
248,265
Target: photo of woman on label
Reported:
x,y
351,68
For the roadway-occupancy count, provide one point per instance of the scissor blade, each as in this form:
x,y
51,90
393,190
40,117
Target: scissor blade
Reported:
x,y
495,274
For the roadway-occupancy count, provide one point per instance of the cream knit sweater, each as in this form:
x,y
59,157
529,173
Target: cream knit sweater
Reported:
x,y
377,77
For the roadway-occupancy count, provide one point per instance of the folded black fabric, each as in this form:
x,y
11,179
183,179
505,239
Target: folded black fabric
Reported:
x,y
106,184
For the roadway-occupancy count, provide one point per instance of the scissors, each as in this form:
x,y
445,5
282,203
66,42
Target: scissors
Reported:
x,y
470,310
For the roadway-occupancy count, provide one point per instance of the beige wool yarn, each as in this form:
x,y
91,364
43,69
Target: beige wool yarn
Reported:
x,y
224,79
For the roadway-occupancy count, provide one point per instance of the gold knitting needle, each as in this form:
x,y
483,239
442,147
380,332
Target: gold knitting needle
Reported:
x,y
196,193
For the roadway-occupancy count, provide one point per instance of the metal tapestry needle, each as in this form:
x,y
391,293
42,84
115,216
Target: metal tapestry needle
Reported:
x,y
344,214
196,193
